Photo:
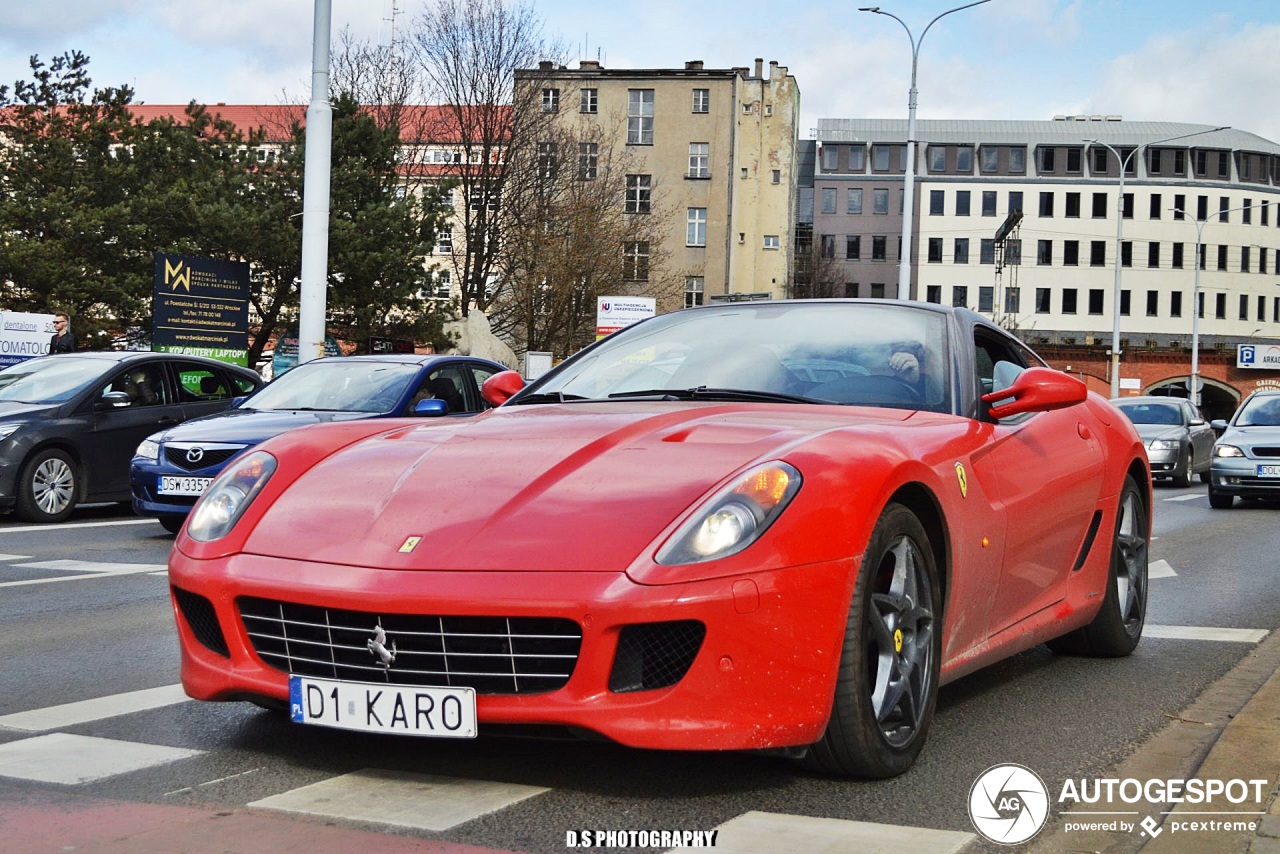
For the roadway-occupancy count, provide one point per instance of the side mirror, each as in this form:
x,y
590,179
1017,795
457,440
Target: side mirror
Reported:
x,y
1219,425
431,407
1036,390
113,400
1197,422
499,388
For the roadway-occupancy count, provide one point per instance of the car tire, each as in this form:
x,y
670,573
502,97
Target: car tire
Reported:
x,y
1117,627
1220,500
887,684
1182,478
1205,476
172,524
47,487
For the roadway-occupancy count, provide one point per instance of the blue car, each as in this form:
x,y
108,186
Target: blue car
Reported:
x,y
170,469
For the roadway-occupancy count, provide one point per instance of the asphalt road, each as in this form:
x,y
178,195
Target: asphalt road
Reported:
x,y
101,626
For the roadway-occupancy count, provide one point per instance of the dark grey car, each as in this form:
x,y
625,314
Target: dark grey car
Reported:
x,y
1179,441
69,423
1246,459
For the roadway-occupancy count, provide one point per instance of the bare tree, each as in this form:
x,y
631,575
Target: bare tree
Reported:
x,y
468,52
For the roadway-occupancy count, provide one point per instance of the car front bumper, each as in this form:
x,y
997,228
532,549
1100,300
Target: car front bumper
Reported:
x,y
1239,476
763,676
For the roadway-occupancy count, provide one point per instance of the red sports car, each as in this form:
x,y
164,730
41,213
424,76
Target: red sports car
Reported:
x,y
742,526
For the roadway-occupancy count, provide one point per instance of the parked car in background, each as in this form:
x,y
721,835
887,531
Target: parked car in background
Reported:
x,y
1179,441
69,423
172,468
727,553
1246,459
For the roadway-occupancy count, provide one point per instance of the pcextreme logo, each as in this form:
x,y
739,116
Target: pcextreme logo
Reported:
x,y
179,276
1008,804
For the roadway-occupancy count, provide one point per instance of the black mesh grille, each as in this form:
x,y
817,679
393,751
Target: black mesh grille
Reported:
x,y
1266,452
211,457
494,655
655,655
203,620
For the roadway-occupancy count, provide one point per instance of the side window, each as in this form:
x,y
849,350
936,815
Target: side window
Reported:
x,y
997,362
143,383
196,383
243,385
445,383
480,373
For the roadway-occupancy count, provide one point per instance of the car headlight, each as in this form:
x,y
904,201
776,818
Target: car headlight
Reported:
x,y
8,430
230,494
148,450
1227,451
1163,445
734,517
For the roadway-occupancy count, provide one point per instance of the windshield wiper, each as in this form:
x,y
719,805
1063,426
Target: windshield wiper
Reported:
x,y
548,397
704,393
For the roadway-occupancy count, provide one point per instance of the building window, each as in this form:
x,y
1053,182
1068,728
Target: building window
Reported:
x,y
1246,216
1070,253
933,294
702,100
1126,253
1224,164
877,290
696,228
964,159
635,264
828,246
590,101
962,202
1017,160
1175,304
483,197
1179,206
1042,301
1124,302
1012,300
877,248
1153,303
1265,206
776,176
988,202
935,250
1219,306
700,160
1100,161
444,242
1244,306
640,117
1044,252
1262,308
880,201
987,251
1097,253
1126,206
771,241
547,160
639,194
1099,205
1046,160
588,160
1073,206
857,158
1046,204
962,251
986,298
1176,262
853,248
1073,161
828,200
990,159
1015,201
1224,205
960,295
1222,257
1070,296
1153,255
853,201
1154,210
1154,158
935,202
1202,208
1095,300
1262,260
880,158
550,100
830,158
694,288
937,158
1244,263
1013,251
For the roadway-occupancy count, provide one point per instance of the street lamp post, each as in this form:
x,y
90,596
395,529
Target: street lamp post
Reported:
x,y
1115,297
908,188
1193,385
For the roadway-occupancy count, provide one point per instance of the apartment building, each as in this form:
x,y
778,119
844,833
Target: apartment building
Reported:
x,y
713,152
1018,220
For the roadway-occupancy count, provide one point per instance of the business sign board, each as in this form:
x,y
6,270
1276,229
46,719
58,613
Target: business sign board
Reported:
x,y
286,352
200,307
614,313
1258,356
24,336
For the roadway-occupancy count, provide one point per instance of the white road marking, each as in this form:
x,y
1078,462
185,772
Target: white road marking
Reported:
x,y
421,801
765,833
187,789
83,569
15,557
1160,569
70,714
1192,497
1205,633
63,758
65,526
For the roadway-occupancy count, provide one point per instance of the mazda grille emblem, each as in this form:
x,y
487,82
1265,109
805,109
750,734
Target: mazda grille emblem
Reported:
x,y
195,455
378,646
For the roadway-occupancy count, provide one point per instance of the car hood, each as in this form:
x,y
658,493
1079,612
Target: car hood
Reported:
x,y
250,426
1249,437
14,411
572,487
1149,432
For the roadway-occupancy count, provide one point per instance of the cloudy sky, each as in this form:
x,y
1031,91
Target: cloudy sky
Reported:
x,y
1171,60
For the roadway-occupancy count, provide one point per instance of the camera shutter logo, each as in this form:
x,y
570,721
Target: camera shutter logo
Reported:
x,y
1008,804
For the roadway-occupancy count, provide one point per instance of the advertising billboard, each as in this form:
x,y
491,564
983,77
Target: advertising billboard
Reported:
x,y
23,336
1258,356
613,313
200,307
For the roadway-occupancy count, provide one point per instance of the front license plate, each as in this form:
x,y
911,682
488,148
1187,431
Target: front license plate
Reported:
x,y
379,707
170,485
1269,471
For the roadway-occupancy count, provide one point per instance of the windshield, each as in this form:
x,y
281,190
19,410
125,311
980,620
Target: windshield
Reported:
x,y
341,385
1260,412
849,353
1152,413
50,380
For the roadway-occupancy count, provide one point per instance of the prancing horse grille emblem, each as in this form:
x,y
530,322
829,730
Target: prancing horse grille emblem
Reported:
x,y
378,646
195,455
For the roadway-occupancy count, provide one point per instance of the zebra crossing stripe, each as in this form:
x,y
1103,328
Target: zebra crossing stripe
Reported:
x,y
71,714
766,833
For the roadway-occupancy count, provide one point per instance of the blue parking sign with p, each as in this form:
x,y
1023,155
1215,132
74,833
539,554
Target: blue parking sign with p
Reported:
x,y
1246,355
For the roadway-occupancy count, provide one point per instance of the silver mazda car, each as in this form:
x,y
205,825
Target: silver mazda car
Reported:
x,y
1246,458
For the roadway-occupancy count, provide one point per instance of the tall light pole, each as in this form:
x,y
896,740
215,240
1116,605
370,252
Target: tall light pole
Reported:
x,y
908,187
1193,385
1115,297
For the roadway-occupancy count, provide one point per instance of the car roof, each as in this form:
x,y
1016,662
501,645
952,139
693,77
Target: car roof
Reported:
x,y
124,356
1151,398
401,358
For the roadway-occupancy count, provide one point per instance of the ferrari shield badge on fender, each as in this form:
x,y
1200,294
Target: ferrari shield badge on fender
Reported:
x,y
409,544
960,476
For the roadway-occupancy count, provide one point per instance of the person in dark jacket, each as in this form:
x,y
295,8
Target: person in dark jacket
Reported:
x,y
63,341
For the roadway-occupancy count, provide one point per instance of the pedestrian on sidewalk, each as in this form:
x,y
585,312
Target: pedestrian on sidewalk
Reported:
x,y
63,340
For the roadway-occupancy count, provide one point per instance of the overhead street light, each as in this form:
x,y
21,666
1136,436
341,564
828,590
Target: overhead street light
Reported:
x,y
1193,385
1115,297
909,180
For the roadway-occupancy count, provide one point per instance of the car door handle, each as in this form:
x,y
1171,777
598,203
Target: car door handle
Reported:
x,y
168,421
